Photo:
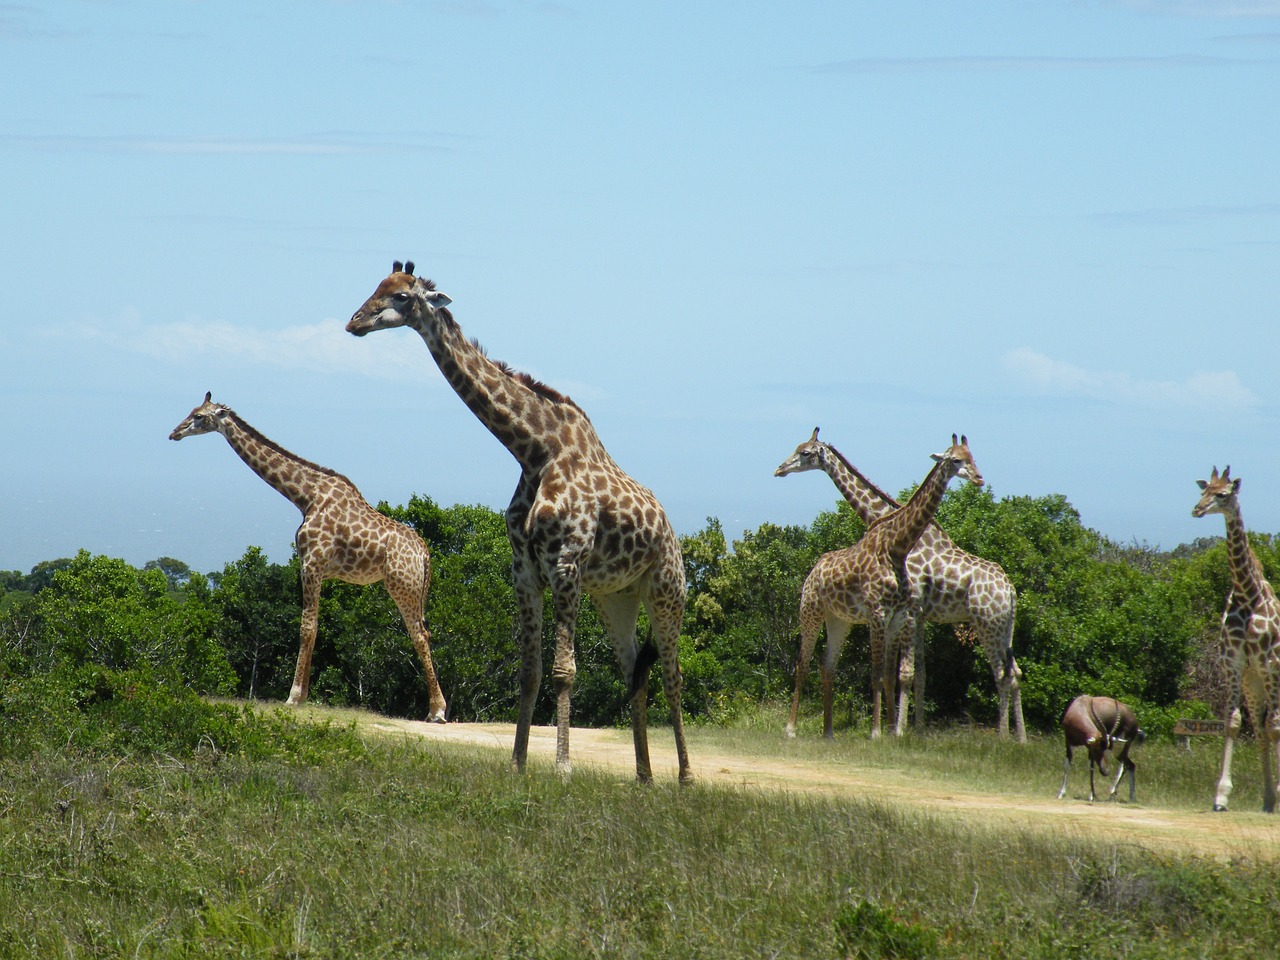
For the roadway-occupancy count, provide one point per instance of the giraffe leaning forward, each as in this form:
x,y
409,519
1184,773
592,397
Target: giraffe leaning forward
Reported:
x,y
577,523
951,585
1250,641
341,537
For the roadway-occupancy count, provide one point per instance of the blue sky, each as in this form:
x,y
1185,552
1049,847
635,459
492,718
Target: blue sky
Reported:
x,y
1053,226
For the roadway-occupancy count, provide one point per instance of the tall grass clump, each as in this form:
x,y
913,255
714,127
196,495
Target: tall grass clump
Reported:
x,y
312,842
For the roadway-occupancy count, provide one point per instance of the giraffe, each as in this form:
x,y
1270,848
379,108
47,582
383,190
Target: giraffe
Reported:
x,y
868,583
577,523
1250,640
340,537
952,586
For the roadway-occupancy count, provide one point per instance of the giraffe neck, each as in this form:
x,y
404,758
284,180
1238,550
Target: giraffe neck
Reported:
x,y
868,501
530,419
298,480
901,530
1247,577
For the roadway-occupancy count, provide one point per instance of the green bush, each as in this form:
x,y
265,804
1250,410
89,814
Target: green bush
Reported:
x,y
95,710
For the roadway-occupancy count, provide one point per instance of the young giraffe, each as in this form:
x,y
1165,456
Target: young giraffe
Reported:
x,y
341,537
1250,640
868,582
577,522
951,585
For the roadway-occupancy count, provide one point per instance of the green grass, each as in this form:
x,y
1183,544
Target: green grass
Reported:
x,y
320,843
1168,774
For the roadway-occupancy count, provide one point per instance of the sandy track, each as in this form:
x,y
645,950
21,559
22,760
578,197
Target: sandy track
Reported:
x,y
1225,836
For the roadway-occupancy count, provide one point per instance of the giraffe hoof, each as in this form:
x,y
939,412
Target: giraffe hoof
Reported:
x,y
437,717
1219,808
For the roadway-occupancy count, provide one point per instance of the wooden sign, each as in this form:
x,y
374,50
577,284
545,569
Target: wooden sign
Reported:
x,y
1186,727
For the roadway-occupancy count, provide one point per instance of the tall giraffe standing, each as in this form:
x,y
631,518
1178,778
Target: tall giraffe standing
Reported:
x,y
1250,640
341,537
952,586
577,522
868,582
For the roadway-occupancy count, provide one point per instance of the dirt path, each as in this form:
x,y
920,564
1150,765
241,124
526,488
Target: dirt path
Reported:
x,y
1229,836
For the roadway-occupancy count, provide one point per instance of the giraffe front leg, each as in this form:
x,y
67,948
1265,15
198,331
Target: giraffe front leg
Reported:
x,y
917,641
528,629
1269,744
311,584
904,649
1223,792
877,672
566,594
828,703
802,674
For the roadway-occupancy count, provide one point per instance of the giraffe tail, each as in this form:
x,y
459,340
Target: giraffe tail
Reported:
x,y
646,657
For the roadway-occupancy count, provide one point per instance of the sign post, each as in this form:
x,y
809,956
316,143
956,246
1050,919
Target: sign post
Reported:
x,y
1186,728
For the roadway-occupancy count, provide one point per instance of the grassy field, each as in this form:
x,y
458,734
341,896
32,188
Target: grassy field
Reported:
x,y
327,843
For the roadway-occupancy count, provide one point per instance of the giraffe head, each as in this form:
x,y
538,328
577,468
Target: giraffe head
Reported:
x,y
206,418
1219,494
400,300
957,461
807,456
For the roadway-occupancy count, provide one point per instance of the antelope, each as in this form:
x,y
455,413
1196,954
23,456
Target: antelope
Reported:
x,y
1101,724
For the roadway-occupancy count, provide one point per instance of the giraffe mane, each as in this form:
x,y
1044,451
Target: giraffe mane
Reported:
x,y
268,442
858,473
524,379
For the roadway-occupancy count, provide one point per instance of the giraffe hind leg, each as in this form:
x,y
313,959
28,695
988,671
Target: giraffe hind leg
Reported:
x,y
618,613
409,600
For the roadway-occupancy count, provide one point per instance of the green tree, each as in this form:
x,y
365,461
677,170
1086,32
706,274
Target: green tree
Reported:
x,y
175,571
100,610
258,607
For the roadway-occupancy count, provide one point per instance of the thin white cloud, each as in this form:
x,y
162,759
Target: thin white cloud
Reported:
x,y
1058,378
986,64
1184,216
1225,9
204,146
322,347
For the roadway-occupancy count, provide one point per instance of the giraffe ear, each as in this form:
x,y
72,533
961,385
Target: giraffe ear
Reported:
x,y
1202,484
1235,485
438,299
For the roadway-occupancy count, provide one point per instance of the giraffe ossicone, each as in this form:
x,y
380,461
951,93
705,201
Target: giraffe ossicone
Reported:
x,y
949,585
341,537
577,522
